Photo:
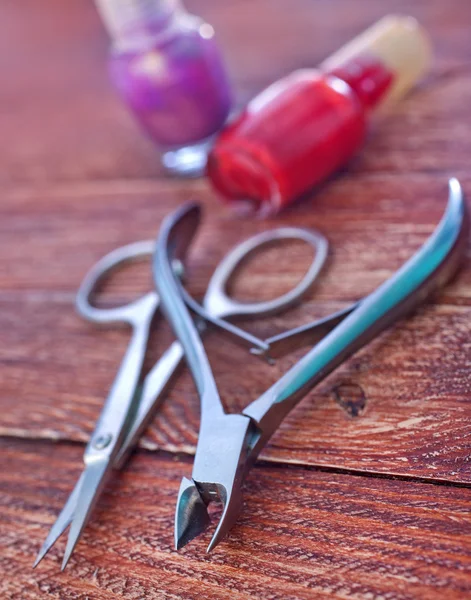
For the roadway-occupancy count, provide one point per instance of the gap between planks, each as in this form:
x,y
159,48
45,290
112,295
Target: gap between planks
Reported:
x,y
187,456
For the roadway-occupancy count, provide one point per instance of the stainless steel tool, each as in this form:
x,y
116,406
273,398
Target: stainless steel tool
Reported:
x,y
132,400
228,444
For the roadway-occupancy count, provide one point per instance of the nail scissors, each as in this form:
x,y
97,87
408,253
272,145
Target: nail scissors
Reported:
x,y
228,444
132,401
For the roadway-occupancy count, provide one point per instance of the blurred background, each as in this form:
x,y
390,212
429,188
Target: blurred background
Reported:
x,y
61,119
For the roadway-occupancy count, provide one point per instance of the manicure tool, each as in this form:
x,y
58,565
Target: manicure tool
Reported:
x,y
130,405
228,444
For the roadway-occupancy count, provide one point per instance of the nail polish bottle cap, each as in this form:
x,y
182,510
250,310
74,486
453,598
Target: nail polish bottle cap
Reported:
x,y
400,45
127,18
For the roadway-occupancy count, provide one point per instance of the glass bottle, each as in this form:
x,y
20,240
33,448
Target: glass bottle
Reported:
x,y
307,125
167,67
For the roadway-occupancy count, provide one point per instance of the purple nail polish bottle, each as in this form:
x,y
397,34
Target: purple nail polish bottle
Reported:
x,y
168,69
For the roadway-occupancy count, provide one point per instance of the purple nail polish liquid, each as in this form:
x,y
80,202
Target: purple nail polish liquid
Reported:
x,y
167,67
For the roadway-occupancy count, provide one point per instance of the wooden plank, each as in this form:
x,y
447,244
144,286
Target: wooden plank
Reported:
x,y
64,229
415,394
400,406
77,129
79,179
303,534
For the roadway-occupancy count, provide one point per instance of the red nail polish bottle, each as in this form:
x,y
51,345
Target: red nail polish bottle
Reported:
x,y
305,126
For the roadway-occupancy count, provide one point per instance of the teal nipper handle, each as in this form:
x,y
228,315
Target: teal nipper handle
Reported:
x,y
428,269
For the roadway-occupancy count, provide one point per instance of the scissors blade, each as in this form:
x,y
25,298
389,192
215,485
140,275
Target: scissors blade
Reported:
x,y
61,523
153,392
93,480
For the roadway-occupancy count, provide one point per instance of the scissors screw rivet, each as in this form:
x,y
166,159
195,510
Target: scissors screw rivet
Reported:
x,y
103,441
178,268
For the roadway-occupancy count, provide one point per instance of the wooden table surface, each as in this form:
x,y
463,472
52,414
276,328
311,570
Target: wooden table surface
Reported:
x,y
365,490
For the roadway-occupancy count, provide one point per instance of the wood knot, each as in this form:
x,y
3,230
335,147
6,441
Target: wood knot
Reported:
x,y
351,397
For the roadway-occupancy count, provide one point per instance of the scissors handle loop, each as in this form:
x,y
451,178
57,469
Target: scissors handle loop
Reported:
x,y
112,261
217,300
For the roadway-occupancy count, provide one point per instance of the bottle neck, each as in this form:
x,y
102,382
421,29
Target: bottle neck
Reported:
x,y
131,20
367,76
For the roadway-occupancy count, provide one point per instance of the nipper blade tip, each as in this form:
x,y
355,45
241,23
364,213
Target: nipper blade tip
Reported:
x,y
191,515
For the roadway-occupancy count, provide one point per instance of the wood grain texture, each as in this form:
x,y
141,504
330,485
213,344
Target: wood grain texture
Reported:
x,y
324,516
54,235
415,418
414,421
302,534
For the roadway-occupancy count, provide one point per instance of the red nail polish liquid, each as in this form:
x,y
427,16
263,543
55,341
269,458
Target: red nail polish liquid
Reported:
x,y
304,127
